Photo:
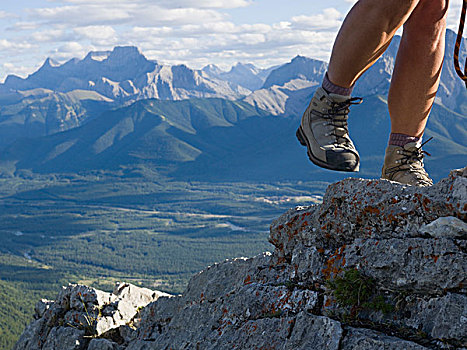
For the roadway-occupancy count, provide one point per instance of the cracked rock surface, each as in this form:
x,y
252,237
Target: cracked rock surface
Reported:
x,y
377,265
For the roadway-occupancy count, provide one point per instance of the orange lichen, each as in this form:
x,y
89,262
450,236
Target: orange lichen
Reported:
x,y
334,263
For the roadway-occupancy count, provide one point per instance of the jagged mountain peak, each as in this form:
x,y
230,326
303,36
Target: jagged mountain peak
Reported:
x,y
50,62
300,58
299,67
212,70
97,56
245,67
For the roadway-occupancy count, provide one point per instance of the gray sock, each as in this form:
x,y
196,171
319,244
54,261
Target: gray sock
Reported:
x,y
402,139
332,88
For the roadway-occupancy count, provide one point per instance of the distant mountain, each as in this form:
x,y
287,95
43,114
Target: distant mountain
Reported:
x,y
290,83
123,75
220,140
246,75
161,133
204,138
299,68
38,112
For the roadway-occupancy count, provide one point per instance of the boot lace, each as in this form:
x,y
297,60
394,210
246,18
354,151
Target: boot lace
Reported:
x,y
412,161
337,117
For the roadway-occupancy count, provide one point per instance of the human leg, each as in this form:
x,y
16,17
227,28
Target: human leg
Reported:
x,y
366,33
418,67
413,89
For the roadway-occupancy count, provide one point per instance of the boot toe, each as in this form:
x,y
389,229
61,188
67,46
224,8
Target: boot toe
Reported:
x,y
343,161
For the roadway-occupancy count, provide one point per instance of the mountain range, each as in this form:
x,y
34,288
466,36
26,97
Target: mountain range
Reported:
x,y
117,108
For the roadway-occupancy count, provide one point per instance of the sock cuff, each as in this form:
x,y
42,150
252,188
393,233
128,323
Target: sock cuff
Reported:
x,y
401,140
332,88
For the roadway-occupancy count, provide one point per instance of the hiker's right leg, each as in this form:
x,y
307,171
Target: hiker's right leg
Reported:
x,y
365,34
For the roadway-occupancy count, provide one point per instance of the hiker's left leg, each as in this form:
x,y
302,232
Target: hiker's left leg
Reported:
x,y
418,67
413,89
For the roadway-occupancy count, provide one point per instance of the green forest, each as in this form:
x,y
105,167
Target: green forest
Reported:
x,y
103,227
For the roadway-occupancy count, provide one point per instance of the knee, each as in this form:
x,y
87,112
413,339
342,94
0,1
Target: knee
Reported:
x,y
430,13
392,13
427,23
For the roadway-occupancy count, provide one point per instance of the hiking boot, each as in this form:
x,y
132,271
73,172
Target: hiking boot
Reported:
x,y
323,130
405,165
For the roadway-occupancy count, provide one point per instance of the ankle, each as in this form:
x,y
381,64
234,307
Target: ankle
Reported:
x,y
332,88
401,140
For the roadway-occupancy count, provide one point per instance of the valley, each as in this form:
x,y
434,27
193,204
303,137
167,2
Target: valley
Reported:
x,y
152,231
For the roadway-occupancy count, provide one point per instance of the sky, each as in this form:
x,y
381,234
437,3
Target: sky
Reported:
x,y
192,32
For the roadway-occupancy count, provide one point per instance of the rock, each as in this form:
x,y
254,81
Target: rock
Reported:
x,y
413,264
378,265
65,338
41,307
442,318
365,339
446,227
314,332
102,344
33,336
80,312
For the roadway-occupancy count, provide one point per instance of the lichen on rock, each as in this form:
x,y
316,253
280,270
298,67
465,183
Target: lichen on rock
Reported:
x,y
405,247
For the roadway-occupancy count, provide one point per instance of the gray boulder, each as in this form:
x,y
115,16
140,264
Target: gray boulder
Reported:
x,y
80,313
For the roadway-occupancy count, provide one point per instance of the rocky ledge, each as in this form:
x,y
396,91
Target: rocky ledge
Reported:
x,y
377,265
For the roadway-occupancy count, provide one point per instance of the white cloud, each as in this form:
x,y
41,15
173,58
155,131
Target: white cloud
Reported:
x,y
14,46
200,4
118,13
52,36
195,32
15,69
6,15
454,14
217,4
97,33
329,19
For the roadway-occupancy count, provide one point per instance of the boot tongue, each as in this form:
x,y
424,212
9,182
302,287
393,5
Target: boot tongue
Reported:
x,y
339,98
412,146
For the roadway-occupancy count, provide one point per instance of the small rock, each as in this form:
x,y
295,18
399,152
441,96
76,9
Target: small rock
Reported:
x,y
446,227
41,307
365,339
102,344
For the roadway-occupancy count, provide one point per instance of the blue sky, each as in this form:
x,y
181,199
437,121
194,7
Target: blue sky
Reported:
x,y
194,32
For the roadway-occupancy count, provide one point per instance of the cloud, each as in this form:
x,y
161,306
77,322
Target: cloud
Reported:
x,y
14,68
329,19
454,14
194,32
52,35
7,15
98,35
118,12
170,38
14,46
199,4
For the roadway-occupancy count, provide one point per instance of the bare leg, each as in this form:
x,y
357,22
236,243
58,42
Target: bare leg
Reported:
x,y
418,68
366,33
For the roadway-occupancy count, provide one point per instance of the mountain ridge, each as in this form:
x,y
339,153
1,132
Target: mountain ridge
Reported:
x,y
283,96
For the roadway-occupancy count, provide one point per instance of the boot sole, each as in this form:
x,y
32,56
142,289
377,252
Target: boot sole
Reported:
x,y
304,142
